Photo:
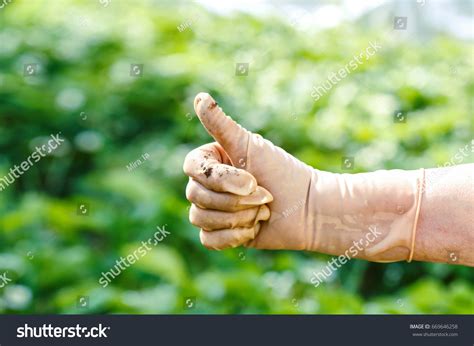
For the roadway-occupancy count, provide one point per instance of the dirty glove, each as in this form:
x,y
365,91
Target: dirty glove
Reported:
x,y
246,191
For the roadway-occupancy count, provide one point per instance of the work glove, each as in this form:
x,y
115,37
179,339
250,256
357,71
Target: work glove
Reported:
x,y
246,191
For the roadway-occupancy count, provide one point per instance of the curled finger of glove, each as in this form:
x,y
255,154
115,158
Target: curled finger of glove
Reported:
x,y
228,238
216,220
204,198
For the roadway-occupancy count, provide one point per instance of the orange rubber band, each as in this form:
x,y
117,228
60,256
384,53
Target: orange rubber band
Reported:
x,y
421,188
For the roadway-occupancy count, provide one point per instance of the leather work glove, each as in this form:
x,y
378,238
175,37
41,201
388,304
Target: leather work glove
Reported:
x,y
246,191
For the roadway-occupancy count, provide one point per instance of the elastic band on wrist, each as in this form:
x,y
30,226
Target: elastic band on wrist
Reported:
x,y
420,189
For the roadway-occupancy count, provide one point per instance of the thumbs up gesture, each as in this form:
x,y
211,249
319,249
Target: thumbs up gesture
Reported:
x,y
243,189
246,191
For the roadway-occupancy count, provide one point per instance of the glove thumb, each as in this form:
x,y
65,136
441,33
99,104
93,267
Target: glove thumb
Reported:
x,y
231,136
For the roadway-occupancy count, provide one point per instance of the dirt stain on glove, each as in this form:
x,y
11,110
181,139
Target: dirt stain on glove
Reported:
x,y
208,172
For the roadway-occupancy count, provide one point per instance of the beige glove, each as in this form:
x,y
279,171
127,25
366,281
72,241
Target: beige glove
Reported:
x,y
232,183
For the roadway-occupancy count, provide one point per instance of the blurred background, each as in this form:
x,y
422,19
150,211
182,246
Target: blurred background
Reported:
x,y
117,79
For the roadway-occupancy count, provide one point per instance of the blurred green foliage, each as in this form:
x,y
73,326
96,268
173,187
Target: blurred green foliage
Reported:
x,y
84,89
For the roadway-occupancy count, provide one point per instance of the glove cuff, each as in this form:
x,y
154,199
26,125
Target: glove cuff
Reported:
x,y
367,215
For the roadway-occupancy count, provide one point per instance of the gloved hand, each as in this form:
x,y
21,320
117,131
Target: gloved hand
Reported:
x,y
247,191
